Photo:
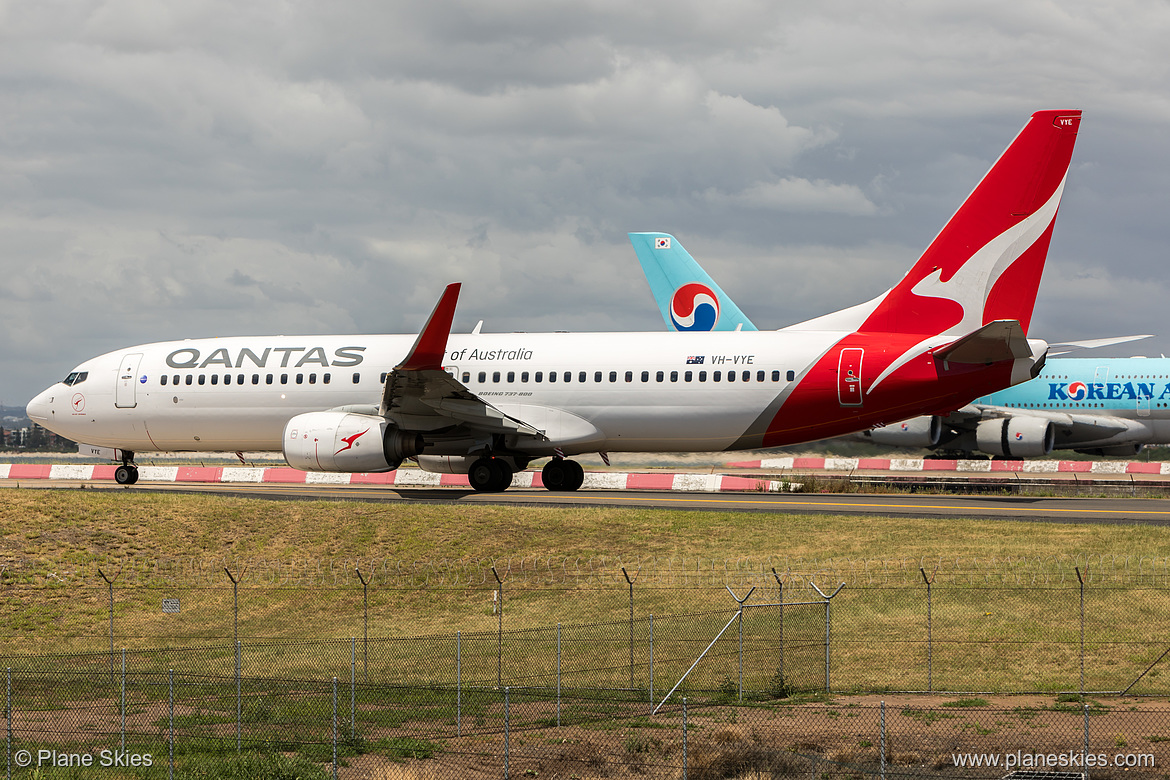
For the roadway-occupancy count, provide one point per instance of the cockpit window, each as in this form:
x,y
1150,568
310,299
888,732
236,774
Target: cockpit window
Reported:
x,y
76,378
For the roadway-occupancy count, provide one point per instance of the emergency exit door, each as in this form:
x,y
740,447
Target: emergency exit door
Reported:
x,y
849,376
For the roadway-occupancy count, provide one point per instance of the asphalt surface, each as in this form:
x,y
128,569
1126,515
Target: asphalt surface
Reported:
x,y
1063,509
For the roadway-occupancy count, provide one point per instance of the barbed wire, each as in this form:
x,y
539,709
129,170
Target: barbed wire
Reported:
x,y
535,571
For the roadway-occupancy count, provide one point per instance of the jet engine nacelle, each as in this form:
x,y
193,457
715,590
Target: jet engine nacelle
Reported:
x,y
1115,451
915,432
1016,437
342,441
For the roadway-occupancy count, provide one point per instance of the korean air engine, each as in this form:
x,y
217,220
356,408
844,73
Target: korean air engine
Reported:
x,y
1016,437
342,441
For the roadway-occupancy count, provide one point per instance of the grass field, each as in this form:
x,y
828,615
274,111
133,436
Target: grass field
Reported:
x,y
58,603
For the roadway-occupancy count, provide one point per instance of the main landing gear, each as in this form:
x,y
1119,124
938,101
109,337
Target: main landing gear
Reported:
x,y
127,473
562,475
490,475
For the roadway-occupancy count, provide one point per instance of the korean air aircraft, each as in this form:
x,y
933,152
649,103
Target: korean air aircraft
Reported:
x,y
1098,406
953,329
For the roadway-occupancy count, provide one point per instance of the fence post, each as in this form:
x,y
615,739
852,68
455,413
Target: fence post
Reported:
x,y
558,675
499,629
235,605
110,585
239,699
171,727
685,727
828,629
458,684
365,627
1085,751
739,618
1082,581
334,728
353,688
780,584
929,628
507,732
651,659
882,745
123,700
631,582
8,718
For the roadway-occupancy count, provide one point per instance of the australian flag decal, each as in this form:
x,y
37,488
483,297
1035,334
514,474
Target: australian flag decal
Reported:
x,y
695,360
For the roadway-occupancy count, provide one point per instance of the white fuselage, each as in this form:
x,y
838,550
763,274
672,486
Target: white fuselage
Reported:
x,y
612,391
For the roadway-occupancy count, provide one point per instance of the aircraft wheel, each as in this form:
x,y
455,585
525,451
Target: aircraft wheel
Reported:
x,y
482,475
503,476
554,474
125,475
576,475
133,475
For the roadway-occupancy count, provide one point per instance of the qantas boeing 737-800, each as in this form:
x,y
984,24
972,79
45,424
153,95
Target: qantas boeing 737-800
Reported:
x,y
954,328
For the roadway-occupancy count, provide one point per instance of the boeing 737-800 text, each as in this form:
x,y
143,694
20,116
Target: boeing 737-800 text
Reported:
x,y
954,328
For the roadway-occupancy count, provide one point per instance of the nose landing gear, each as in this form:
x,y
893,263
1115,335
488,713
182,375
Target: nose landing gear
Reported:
x,y
127,473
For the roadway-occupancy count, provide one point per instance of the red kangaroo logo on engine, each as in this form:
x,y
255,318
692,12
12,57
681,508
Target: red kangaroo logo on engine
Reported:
x,y
349,440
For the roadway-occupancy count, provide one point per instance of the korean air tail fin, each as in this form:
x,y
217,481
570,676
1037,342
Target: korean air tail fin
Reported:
x,y
686,295
985,264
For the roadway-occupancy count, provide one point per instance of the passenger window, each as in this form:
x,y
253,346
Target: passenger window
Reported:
x,y
568,376
645,376
747,375
523,376
383,379
482,377
227,379
300,379
312,379
255,379
202,379
715,375
539,376
791,376
284,379
776,375
687,376
597,376
466,377
495,376
629,376
214,379
613,376
552,376
581,376
702,376
163,379
188,380
730,376
239,379
511,376
175,379
759,376
268,379
673,376
659,376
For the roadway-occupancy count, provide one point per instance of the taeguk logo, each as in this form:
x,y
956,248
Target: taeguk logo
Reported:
x,y
1077,391
694,306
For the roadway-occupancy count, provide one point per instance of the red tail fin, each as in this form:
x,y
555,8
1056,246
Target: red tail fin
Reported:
x,y
986,263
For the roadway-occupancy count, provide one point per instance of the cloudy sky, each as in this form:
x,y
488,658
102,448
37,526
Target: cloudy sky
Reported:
x,y
204,167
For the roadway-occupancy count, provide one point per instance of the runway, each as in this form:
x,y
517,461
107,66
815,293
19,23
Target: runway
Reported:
x,y
1064,509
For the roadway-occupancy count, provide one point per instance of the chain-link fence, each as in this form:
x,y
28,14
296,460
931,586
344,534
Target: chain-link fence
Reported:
x,y
532,668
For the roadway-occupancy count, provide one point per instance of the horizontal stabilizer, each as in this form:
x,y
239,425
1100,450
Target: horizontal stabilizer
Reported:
x,y
995,341
1069,346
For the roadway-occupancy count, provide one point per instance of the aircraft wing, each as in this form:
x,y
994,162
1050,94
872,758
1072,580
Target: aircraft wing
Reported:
x,y
420,396
1065,347
1073,427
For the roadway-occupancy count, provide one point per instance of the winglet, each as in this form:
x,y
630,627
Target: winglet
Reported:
x,y
431,346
